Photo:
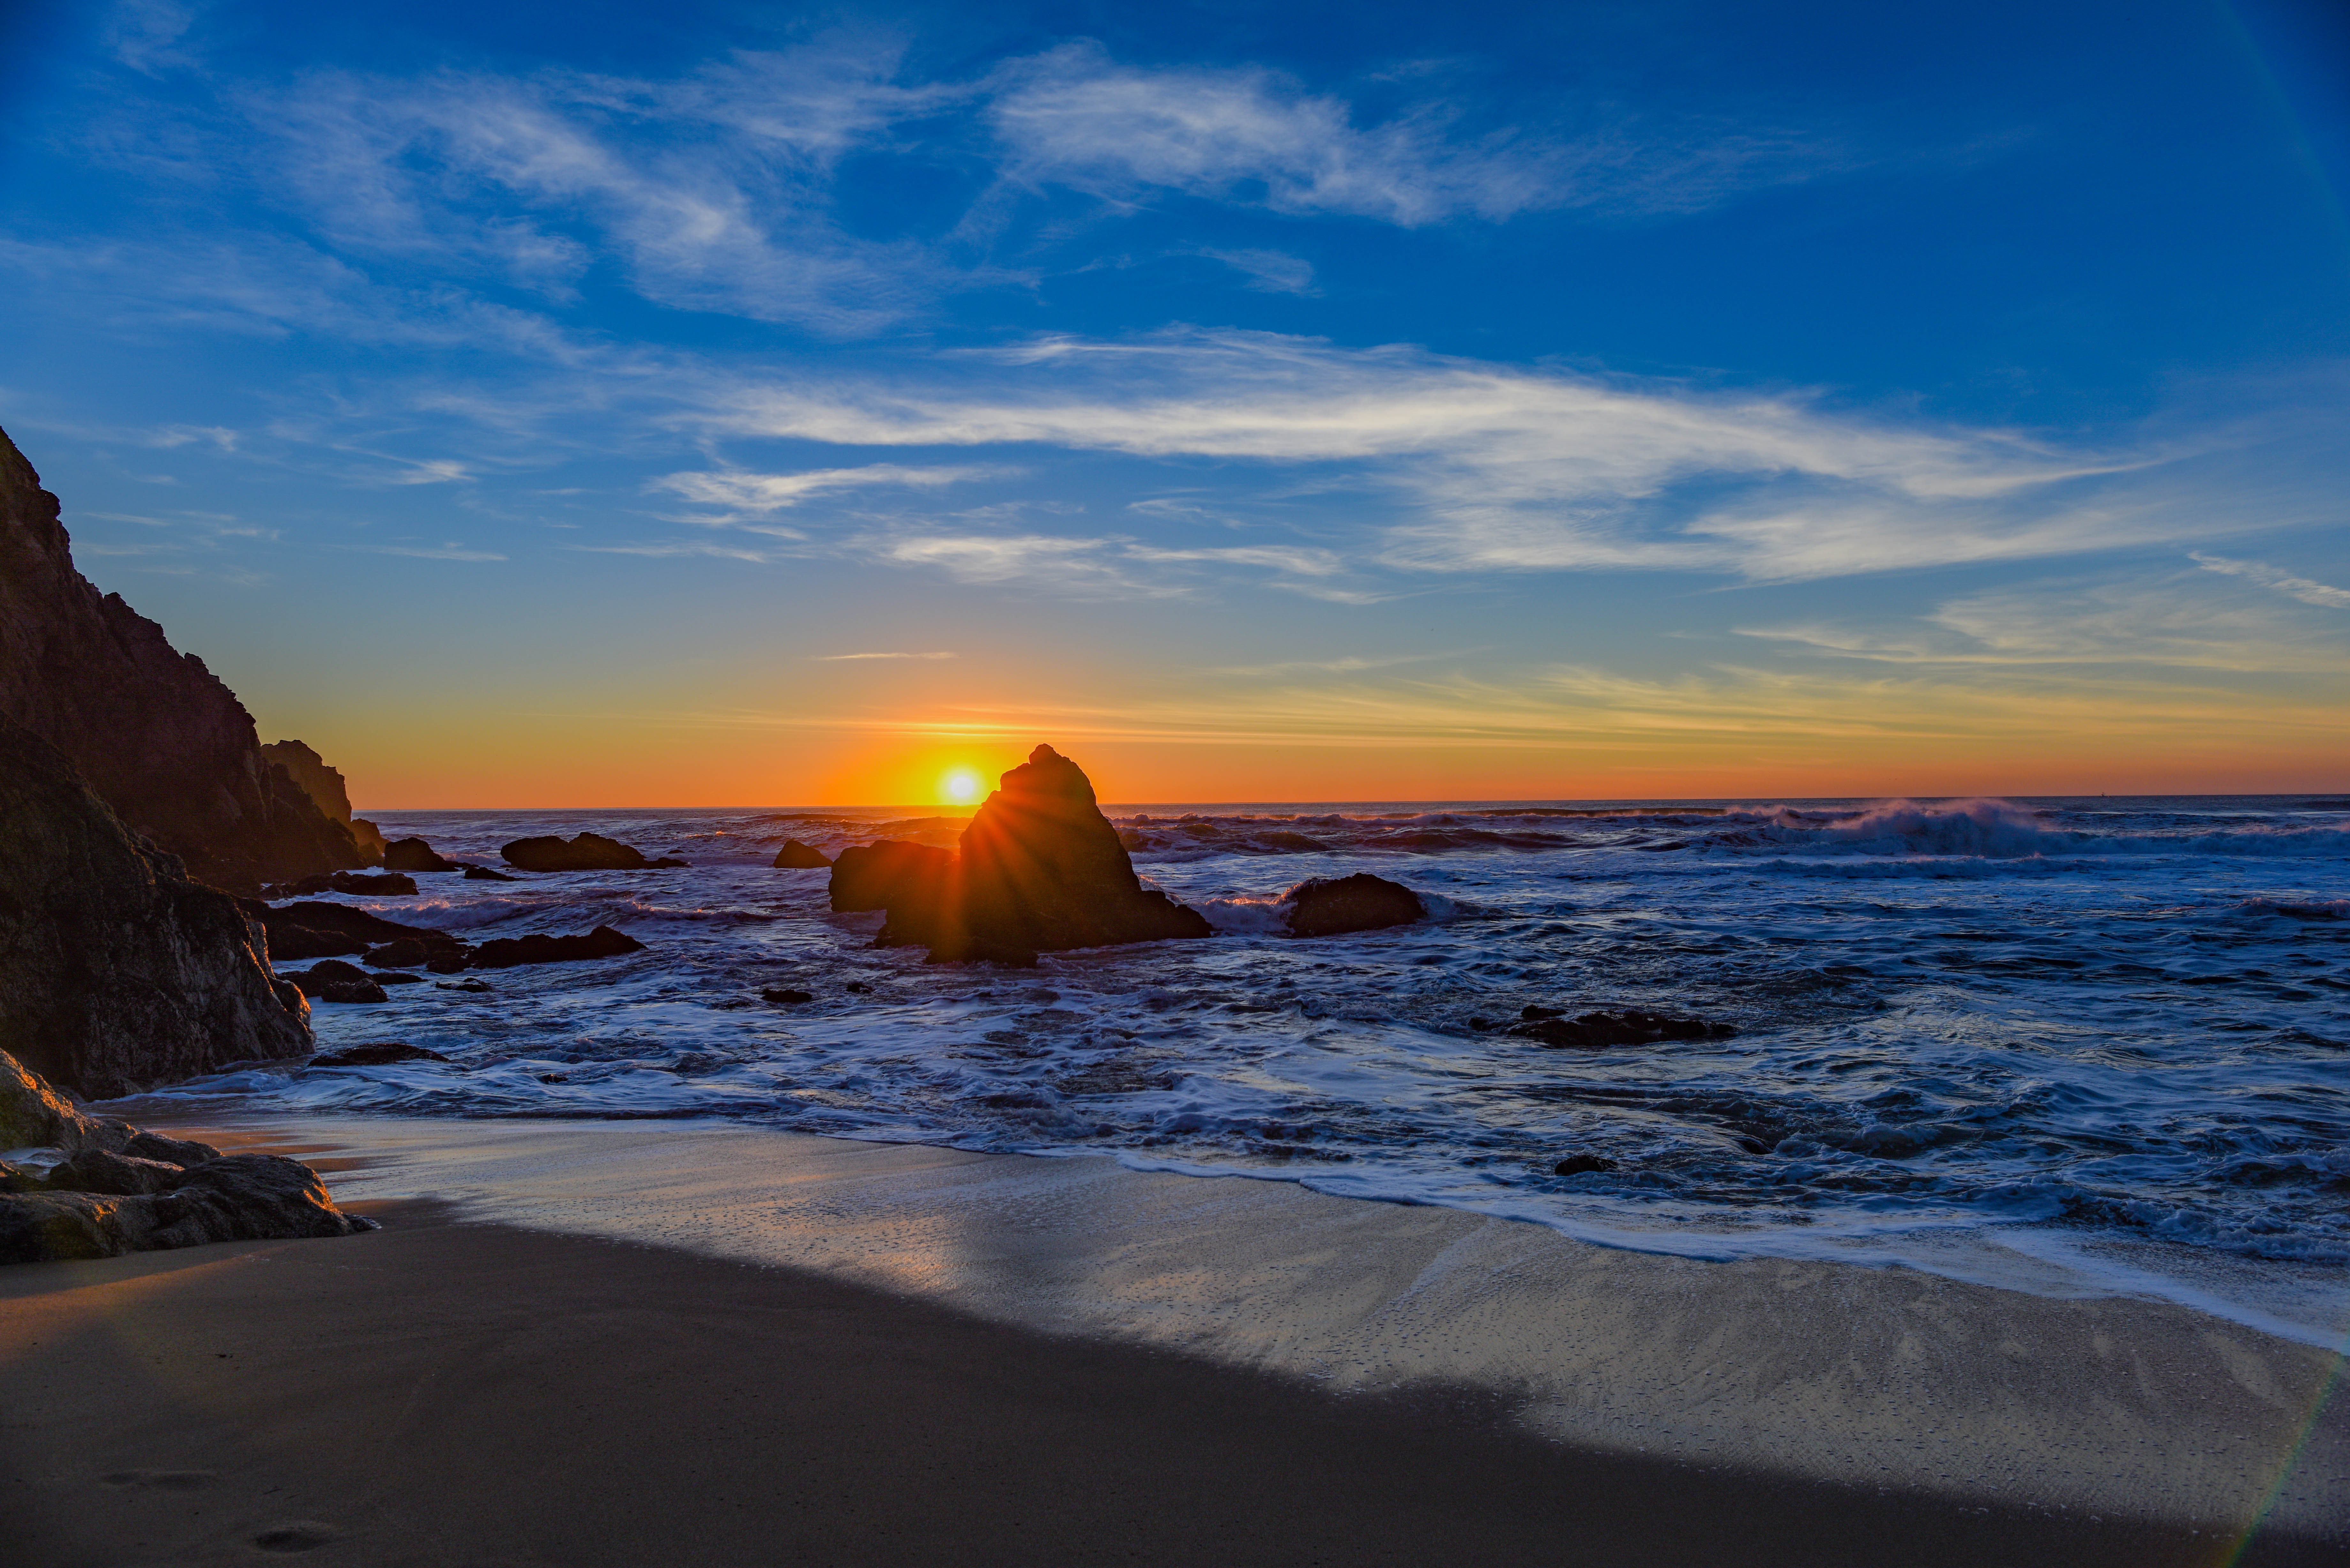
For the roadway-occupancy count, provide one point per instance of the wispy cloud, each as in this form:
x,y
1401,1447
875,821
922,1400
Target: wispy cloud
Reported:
x,y
431,552
763,493
847,657
2307,591
1073,117
1495,468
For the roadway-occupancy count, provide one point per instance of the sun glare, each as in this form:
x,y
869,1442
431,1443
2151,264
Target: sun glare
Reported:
x,y
963,787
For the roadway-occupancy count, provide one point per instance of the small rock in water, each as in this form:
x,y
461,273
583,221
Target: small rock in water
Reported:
x,y
538,948
1577,1164
587,852
1595,1030
1332,906
376,1054
405,953
484,874
352,882
856,985
393,977
787,996
462,985
350,990
315,980
798,856
414,855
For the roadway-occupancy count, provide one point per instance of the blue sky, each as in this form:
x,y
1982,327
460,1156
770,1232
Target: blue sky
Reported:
x,y
757,403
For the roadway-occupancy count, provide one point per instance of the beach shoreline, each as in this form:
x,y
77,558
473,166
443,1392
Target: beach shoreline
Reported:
x,y
1822,1404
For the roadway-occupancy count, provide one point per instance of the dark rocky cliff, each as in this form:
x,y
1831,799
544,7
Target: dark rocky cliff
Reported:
x,y
152,730
117,972
326,789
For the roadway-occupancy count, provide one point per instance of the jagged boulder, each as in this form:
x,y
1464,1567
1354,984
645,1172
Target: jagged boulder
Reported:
x,y
1038,869
798,856
152,731
117,972
78,1185
1331,906
412,854
587,852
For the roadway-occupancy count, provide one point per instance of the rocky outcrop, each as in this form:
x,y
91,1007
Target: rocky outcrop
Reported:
x,y
412,854
1038,869
537,948
390,885
152,731
317,930
589,852
78,1186
1330,905
324,785
798,856
1549,1026
117,972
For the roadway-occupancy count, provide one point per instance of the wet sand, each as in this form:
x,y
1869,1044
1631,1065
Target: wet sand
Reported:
x,y
581,1343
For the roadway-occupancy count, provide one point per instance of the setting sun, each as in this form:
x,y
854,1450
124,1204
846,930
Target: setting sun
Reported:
x,y
962,786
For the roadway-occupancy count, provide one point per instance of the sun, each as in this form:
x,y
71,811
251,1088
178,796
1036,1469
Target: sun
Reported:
x,y
962,786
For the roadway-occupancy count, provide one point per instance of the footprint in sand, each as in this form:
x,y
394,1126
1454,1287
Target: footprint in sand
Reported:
x,y
300,1535
163,1480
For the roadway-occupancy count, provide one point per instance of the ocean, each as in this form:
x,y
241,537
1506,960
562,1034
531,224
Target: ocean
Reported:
x,y
2075,1047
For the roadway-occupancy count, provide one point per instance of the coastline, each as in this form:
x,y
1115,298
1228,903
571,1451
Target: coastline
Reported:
x,y
1961,1401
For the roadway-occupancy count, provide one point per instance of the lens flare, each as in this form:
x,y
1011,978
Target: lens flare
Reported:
x,y
962,786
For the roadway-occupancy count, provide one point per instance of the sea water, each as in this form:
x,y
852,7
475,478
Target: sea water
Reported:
x,y
2071,1044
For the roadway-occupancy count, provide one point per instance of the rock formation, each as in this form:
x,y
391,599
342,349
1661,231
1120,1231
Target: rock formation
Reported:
x,y
149,729
315,930
1330,905
117,972
589,852
1038,869
76,1186
412,854
390,885
537,948
324,785
798,856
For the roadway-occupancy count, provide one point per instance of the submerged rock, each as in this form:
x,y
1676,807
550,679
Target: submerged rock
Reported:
x,y
587,852
1596,1030
118,1190
1330,905
379,1054
1039,868
537,948
117,972
798,856
414,855
484,874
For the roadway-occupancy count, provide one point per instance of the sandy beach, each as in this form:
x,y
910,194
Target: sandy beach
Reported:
x,y
590,1343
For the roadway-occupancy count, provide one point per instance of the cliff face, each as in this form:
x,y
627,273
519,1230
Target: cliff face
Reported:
x,y
117,972
152,730
324,785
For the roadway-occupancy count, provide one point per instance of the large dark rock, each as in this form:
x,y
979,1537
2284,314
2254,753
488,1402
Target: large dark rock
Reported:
x,y
95,1187
324,785
1330,905
798,856
414,855
1039,869
117,972
152,731
537,948
587,852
